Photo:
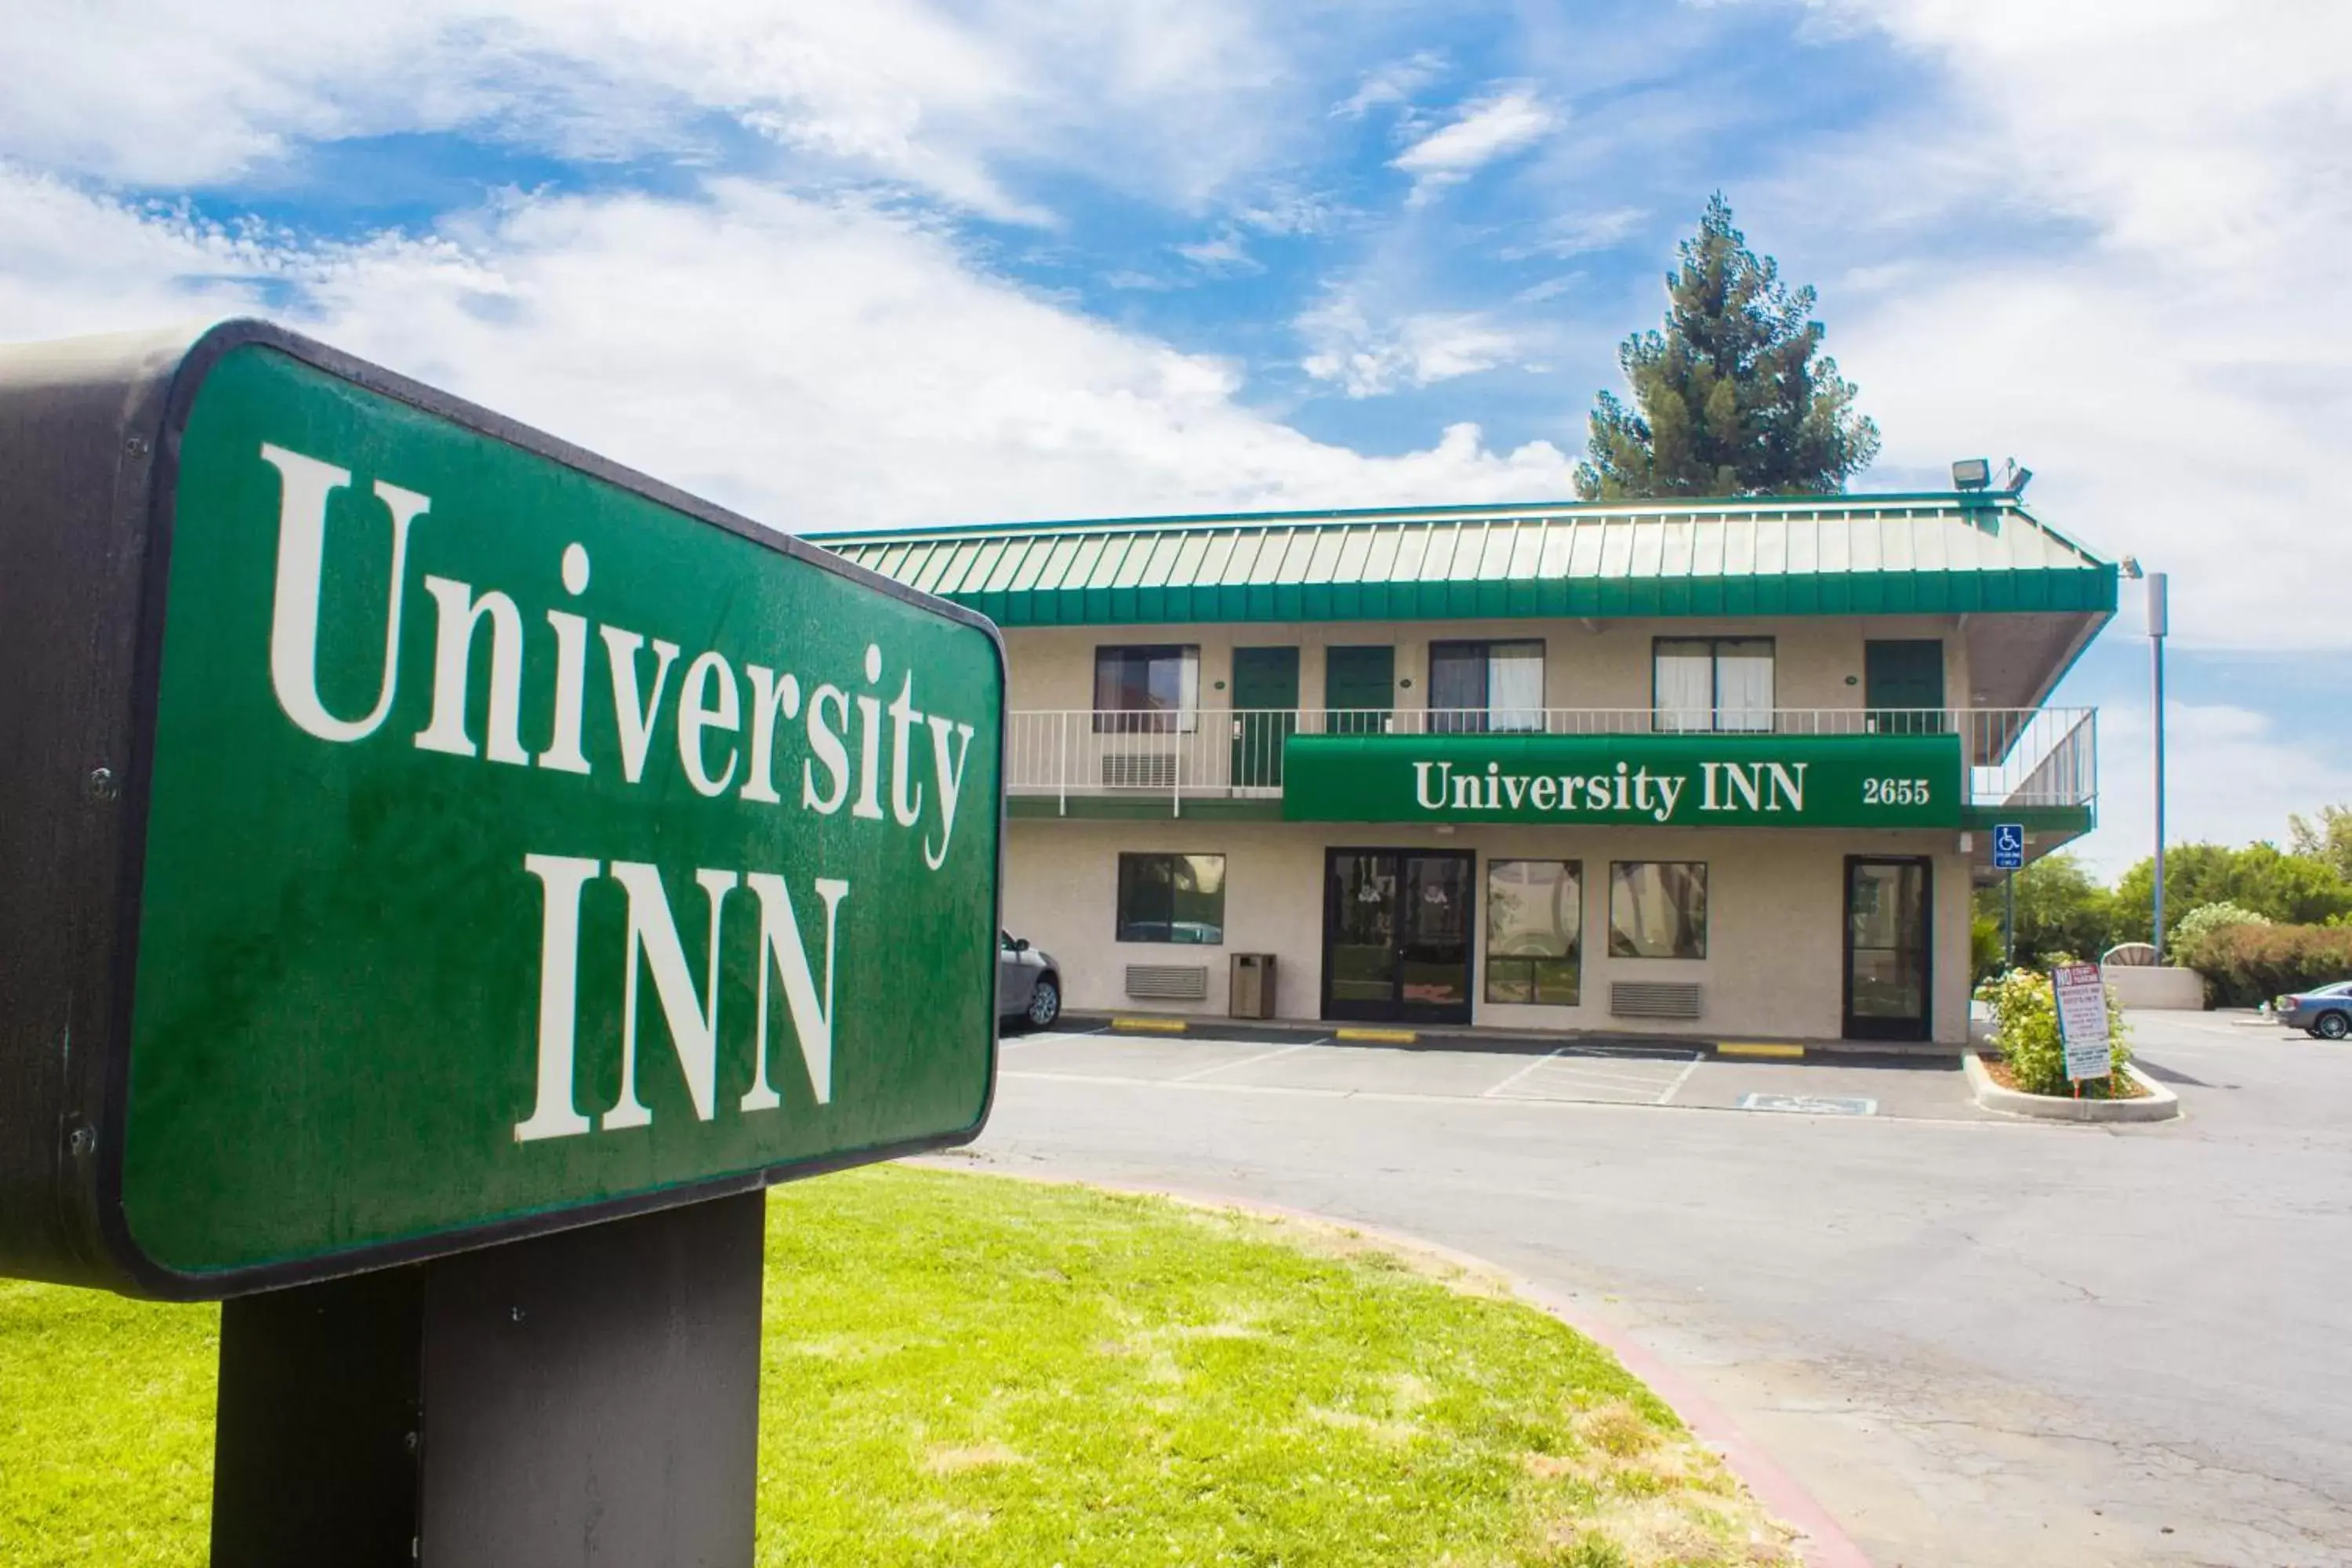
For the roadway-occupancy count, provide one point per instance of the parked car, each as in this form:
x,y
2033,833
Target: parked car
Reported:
x,y
1028,982
2324,1015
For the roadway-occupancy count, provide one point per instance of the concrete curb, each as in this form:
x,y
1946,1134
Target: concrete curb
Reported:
x,y
1467,1036
1821,1540
2160,1104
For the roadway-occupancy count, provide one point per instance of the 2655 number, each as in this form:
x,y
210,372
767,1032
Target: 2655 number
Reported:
x,y
1895,792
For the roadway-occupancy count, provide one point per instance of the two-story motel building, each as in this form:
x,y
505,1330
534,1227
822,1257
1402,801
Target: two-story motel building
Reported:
x,y
1715,767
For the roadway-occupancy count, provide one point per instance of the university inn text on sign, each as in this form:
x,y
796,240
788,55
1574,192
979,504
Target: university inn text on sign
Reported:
x,y
375,752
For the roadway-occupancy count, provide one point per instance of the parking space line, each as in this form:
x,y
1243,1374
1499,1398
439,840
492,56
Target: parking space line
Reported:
x,y
1681,1079
1045,1036
1246,1061
1971,1127
1602,1080
1521,1073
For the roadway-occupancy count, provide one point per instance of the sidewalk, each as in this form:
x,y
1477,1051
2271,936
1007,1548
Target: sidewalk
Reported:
x,y
1486,1037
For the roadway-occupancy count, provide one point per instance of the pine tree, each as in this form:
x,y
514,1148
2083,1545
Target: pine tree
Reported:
x,y
1732,400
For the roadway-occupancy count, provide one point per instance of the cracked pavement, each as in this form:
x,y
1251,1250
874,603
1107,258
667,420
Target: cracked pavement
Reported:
x,y
1974,1340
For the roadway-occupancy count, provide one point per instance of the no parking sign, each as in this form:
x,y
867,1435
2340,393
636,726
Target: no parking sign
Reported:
x,y
2083,1019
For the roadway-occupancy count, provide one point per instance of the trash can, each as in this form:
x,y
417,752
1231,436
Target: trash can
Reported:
x,y
1253,985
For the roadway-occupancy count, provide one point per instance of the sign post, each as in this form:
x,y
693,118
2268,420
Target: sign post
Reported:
x,y
450,877
2008,858
2082,998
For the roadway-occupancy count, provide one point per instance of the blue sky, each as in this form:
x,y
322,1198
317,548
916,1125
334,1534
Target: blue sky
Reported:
x,y
912,261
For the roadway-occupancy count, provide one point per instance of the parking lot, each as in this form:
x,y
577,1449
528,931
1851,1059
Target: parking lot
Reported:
x,y
1975,1339
1469,1067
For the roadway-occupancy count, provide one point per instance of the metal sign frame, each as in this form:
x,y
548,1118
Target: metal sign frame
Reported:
x,y
90,442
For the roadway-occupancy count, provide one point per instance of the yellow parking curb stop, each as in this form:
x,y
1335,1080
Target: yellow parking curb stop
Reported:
x,y
1757,1049
1378,1036
1149,1026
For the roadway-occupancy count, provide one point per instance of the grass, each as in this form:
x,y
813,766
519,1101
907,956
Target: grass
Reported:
x,y
965,1370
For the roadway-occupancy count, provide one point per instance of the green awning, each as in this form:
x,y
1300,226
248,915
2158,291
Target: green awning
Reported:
x,y
1838,556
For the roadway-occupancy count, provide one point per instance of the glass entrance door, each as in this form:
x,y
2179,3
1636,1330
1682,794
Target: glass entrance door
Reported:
x,y
1396,935
1888,923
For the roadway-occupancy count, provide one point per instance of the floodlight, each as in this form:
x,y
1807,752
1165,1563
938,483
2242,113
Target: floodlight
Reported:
x,y
1971,474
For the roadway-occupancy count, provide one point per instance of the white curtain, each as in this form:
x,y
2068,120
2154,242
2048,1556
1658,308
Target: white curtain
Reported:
x,y
1685,686
1515,686
1743,685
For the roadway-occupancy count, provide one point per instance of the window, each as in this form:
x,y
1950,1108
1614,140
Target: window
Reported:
x,y
1171,897
1481,686
1712,684
1657,908
1154,689
1535,929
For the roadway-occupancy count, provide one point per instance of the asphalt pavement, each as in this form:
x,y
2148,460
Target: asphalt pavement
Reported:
x,y
1975,1339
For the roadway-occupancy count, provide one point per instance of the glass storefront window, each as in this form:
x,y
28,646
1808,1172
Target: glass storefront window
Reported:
x,y
1171,897
1535,930
1657,908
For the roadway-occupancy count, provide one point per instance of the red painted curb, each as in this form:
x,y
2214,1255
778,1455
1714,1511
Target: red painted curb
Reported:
x,y
1822,1542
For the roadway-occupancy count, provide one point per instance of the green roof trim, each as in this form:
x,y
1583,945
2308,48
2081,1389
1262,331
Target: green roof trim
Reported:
x,y
1843,555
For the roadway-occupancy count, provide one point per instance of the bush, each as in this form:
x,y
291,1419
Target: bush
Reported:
x,y
1984,947
2246,965
2025,1028
2204,918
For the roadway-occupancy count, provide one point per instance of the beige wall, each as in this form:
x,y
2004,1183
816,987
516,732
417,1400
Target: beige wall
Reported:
x,y
1597,664
1774,966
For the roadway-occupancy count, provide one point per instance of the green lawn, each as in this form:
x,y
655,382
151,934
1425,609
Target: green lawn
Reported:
x,y
960,1370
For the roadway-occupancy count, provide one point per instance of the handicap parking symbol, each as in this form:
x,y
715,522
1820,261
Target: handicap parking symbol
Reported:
x,y
2008,845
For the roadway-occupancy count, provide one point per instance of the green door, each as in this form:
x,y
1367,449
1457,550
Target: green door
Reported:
x,y
1903,686
1359,688
1265,713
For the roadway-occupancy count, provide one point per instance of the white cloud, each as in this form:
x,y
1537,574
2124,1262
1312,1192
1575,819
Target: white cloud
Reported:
x,y
1224,254
1395,82
1577,234
2173,351
1492,127
1366,358
810,363
156,94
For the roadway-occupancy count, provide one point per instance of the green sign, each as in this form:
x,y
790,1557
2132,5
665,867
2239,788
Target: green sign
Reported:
x,y
523,842
1656,780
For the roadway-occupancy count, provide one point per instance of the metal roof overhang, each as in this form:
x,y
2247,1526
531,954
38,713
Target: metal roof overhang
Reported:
x,y
1861,556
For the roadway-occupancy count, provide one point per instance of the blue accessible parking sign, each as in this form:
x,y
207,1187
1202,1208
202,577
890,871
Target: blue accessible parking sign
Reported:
x,y
2008,845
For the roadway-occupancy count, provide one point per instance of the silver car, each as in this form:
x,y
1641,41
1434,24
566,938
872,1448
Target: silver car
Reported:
x,y
2324,1013
1028,982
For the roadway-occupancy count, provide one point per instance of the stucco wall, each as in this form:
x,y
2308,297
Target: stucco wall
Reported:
x,y
1775,905
1603,664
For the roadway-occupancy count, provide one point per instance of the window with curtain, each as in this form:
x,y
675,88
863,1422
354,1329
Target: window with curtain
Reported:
x,y
1153,689
1535,930
1171,897
1712,684
1657,908
1476,687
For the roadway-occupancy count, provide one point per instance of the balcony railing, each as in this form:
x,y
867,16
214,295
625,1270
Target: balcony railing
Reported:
x,y
2020,757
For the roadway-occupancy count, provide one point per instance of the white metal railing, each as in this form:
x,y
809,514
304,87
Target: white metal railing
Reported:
x,y
2015,756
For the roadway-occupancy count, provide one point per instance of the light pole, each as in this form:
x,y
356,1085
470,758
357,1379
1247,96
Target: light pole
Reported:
x,y
2157,625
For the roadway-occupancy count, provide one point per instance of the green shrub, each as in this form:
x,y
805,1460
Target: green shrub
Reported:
x,y
2246,965
2183,937
1984,947
2025,1028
